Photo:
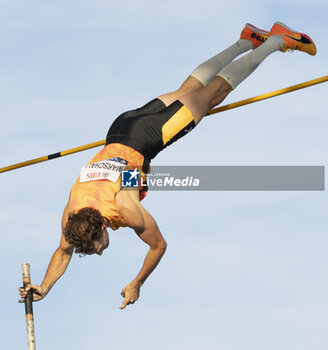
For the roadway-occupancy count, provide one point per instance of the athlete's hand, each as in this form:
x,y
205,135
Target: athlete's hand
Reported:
x,y
130,294
37,291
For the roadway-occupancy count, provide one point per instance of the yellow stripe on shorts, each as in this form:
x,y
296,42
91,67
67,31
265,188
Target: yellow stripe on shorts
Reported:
x,y
176,123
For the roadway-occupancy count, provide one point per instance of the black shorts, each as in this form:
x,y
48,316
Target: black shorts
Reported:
x,y
151,128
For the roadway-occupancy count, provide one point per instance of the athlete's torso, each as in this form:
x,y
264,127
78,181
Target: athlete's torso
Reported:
x,y
100,194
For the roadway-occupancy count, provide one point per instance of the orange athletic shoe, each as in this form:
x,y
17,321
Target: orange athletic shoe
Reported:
x,y
293,39
255,35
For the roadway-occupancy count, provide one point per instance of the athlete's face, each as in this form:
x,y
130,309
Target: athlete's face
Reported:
x,y
101,244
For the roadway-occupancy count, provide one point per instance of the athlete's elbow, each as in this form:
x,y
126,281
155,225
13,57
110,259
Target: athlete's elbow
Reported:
x,y
162,245
159,246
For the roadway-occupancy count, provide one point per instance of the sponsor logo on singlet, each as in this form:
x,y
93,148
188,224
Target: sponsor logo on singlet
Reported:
x,y
108,169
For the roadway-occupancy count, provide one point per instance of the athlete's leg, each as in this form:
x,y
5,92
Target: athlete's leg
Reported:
x,y
199,102
205,72
199,78
282,38
250,38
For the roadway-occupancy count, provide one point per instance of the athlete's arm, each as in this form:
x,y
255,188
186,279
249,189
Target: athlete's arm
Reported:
x,y
136,217
56,268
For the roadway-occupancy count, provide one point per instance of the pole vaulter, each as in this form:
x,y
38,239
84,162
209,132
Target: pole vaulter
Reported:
x,y
97,200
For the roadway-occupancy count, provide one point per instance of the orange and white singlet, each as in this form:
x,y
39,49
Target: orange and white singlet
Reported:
x,y
90,190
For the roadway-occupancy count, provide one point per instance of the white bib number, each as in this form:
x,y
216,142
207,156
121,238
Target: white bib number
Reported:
x,y
109,169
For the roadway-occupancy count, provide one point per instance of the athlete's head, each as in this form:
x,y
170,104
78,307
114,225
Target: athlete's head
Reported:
x,y
86,231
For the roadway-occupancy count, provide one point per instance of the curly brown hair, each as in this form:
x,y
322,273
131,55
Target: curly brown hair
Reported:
x,y
83,228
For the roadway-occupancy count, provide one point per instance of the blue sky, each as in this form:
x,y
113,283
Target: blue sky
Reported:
x,y
243,269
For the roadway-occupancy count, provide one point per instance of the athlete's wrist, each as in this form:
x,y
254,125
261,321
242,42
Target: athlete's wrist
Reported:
x,y
45,289
136,284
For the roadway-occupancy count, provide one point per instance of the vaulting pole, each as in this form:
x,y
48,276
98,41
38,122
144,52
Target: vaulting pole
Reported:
x,y
269,95
28,308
